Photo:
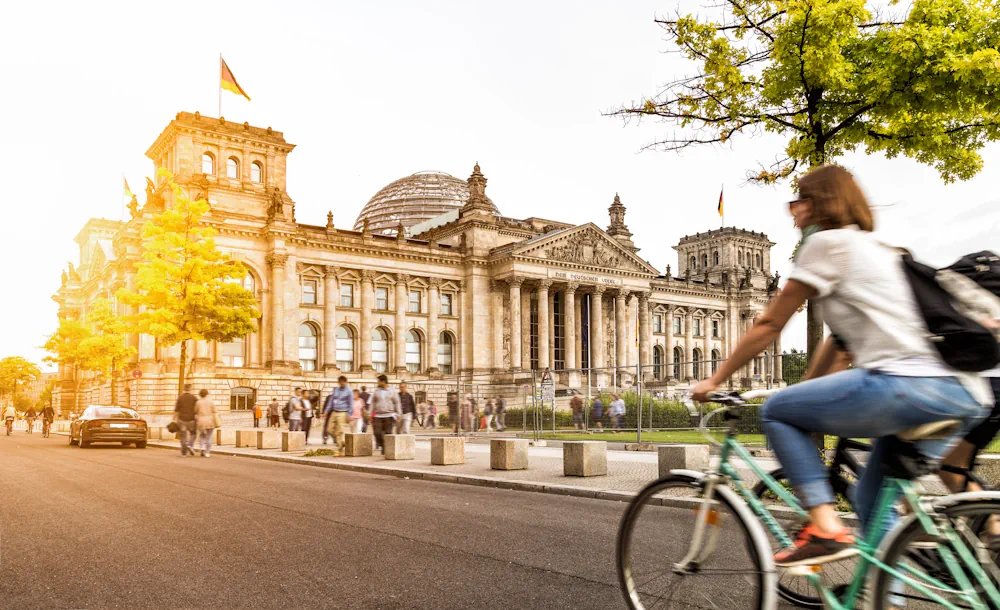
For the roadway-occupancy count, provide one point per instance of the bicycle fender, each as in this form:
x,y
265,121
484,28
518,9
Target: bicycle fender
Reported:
x,y
942,502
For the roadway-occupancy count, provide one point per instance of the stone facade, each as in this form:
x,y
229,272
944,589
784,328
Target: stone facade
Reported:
x,y
468,293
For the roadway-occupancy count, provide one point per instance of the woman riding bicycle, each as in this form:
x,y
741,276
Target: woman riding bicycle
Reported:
x,y
900,381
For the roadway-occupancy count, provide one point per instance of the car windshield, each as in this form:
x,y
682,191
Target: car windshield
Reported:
x,y
112,413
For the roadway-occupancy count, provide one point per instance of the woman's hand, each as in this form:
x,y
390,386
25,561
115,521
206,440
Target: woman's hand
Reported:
x,y
703,389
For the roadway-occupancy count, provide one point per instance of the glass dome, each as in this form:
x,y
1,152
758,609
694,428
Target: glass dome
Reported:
x,y
412,200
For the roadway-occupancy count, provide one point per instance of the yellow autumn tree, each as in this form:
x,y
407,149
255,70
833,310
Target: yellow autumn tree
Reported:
x,y
185,287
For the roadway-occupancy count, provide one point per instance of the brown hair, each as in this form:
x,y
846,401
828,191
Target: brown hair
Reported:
x,y
837,199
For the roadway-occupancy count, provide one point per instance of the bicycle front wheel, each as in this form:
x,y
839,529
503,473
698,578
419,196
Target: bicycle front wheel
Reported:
x,y
666,560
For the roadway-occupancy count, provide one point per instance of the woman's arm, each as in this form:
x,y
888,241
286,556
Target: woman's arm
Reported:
x,y
766,330
829,359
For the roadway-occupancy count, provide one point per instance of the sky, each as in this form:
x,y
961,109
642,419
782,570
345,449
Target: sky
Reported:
x,y
374,91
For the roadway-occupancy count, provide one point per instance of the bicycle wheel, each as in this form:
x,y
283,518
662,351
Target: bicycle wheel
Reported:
x,y
797,589
973,520
655,537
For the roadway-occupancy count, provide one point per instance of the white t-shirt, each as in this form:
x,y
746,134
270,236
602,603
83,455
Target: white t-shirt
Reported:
x,y
866,300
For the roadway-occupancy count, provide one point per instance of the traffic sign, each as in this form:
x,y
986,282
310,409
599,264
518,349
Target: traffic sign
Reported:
x,y
137,373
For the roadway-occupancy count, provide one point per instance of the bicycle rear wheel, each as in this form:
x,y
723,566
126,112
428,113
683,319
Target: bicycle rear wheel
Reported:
x,y
655,538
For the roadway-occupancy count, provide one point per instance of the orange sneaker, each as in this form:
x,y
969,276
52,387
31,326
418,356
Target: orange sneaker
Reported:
x,y
813,547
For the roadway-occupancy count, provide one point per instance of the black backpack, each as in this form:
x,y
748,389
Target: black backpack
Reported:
x,y
964,344
285,410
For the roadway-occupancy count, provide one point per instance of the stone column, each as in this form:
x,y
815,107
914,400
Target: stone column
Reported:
x,y
496,293
553,295
578,332
569,325
669,347
399,328
706,329
543,324
526,329
330,294
433,334
621,332
515,322
689,345
597,328
632,351
367,302
644,335
277,262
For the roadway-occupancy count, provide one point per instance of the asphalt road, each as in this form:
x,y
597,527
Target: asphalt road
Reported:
x,y
108,527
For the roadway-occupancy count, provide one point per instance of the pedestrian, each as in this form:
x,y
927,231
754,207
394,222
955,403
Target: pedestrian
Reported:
x,y
339,407
205,420
490,414
386,410
597,412
430,420
184,417
294,408
422,413
576,405
453,411
367,415
274,414
467,413
307,413
618,412
500,414
256,415
409,410
357,413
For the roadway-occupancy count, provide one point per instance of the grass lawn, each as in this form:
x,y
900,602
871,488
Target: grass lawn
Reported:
x,y
688,437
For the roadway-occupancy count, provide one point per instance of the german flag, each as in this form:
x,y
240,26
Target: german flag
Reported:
x,y
228,81
720,202
128,191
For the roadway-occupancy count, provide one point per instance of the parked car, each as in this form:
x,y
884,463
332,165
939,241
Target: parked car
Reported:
x,y
102,424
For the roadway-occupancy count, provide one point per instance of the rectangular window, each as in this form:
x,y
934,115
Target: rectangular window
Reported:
x,y
233,353
414,301
446,305
697,327
309,292
715,328
657,323
677,325
347,295
382,299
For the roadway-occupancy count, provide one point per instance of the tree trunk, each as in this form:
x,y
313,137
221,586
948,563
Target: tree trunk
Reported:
x,y
180,371
814,338
114,387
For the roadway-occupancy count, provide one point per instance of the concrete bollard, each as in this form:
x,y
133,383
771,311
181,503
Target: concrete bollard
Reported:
x,y
293,441
246,438
358,445
225,436
509,453
684,457
585,458
447,450
400,447
268,439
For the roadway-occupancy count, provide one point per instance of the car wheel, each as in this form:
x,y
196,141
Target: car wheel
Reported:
x,y
140,445
72,441
84,444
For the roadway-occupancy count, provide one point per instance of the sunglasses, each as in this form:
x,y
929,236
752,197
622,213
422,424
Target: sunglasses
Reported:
x,y
800,200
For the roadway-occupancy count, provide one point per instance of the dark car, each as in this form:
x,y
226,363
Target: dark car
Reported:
x,y
108,425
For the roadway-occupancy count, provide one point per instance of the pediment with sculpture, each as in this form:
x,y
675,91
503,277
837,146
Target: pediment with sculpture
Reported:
x,y
588,246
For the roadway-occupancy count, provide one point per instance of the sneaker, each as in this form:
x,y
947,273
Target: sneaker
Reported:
x,y
812,547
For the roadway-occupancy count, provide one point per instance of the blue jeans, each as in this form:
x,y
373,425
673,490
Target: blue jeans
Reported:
x,y
860,403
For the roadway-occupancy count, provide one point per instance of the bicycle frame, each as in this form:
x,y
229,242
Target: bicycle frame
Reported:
x,y
868,547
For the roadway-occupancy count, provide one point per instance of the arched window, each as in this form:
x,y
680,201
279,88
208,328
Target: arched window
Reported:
x,y
657,362
307,347
739,257
749,259
380,350
704,260
694,262
345,348
678,358
716,358
413,351
233,353
715,258
760,263
445,347
232,168
256,172
207,164
696,364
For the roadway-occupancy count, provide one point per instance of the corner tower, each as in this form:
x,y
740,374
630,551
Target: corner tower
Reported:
x,y
728,251
237,167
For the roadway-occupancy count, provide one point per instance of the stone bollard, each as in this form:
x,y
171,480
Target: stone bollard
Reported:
x,y
293,441
268,439
682,457
447,450
225,436
246,438
358,445
585,458
509,453
400,447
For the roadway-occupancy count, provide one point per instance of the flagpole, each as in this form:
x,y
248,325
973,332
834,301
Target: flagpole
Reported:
x,y
220,85
721,191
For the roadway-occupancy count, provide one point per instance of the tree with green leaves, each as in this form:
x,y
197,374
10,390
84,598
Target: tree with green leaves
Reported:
x,y
833,76
15,371
106,349
185,287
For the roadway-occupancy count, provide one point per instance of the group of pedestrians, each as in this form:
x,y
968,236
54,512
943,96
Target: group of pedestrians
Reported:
x,y
467,415
196,419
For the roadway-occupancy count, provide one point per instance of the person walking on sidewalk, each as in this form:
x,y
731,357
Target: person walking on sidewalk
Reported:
x,y
453,411
366,416
257,415
307,413
500,414
617,412
205,420
274,414
430,419
184,416
295,411
409,410
357,413
576,405
597,412
386,410
489,412
339,406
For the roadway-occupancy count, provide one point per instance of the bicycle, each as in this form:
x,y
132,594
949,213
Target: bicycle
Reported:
x,y
10,425
730,520
30,423
46,426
